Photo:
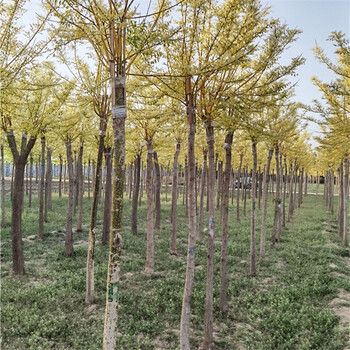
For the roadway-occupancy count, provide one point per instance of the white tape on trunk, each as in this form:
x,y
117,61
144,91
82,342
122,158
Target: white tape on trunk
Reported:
x,y
119,111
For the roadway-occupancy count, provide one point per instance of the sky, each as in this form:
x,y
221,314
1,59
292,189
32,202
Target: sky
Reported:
x,y
316,18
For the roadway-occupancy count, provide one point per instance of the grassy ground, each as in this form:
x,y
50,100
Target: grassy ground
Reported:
x,y
287,306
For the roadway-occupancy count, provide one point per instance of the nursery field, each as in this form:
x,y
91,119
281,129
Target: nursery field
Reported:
x,y
299,299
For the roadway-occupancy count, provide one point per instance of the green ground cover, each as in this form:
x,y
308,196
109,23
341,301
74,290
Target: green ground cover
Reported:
x,y
287,306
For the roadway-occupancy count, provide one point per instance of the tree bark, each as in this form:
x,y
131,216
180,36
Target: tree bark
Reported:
x,y
224,209
285,180
208,317
49,180
219,187
174,199
20,159
264,208
345,205
252,222
60,178
277,215
69,225
80,183
149,268
157,192
189,280
90,281
3,213
135,195
108,196
201,201
341,201
239,182
42,190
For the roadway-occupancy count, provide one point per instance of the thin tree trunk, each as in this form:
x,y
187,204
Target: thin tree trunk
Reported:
x,y
345,205
49,180
244,191
201,201
42,189
69,224
276,217
252,222
285,180
208,317
239,181
141,184
60,178
80,177
108,196
64,177
219,187
224,209
3,213
88,178
90,281
157,192
189,280
76,183
135,195
341,201
264,208
174,199
130,181
149,268
166,182
260,188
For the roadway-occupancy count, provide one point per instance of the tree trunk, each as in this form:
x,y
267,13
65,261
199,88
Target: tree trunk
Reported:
x,y
252,222
238,184
341,198
157,193
76,183
219,187
208,317
3,213
42,189
276,218
69,225
20,160
64,177
135,195
130,181
345,205
260,187
166,182
141,184
244,190
174,199
80,183
224,209
90,282
201,201
189,280
60,178
149,268
264,208
49,180
88,178
108,196
285,180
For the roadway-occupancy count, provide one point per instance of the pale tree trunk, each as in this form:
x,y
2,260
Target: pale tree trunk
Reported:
x,y
80,176
69,224
60,178
276,218
88,178
252,222
90,281
208,340
20,159
30,182
189,280
108,196
157,192
300,190
285,180
166,182
186,188
291,194
3,213
306,183
75,183
260,188
238,184
42,190
219,187
174,199
264,208
345,205
224,209
135,195
12,180
94,173
118,95
341,201
49,180
201,201
149,268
